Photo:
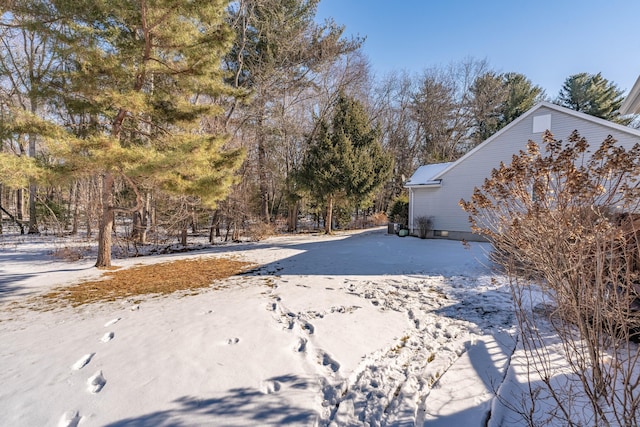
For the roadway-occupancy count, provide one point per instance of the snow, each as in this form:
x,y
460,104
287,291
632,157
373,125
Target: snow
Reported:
x,y
361,328
425,174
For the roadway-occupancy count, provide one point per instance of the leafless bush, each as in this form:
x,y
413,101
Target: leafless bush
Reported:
x,y
563,222
379,218
259,231
70,254
424,224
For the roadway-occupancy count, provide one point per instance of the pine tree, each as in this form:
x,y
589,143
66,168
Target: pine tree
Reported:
x,y
499,99
592,94
522,95
345,161
146,73
367,165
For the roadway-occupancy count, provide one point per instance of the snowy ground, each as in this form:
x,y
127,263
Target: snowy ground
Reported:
x,y
356,329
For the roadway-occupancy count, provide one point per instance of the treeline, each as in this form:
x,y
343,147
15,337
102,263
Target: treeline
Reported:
x,y
149,116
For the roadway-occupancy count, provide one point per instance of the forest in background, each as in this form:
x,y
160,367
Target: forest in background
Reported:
x,y
149,120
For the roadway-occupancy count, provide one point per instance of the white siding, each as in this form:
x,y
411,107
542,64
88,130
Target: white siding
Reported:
x,y
459,181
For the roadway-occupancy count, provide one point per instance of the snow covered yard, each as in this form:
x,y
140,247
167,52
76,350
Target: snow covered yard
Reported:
x,y
360,328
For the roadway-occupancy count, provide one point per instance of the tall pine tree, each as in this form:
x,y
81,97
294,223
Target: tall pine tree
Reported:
x,y
345,160
592,94
146,73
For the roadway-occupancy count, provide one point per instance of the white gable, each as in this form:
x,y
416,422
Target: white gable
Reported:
x,y
558,131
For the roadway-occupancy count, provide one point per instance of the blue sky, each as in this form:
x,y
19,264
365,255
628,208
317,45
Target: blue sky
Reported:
x,y
546,40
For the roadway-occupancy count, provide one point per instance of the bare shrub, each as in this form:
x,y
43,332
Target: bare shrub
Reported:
x,y
379,218
259,231
69,253
424,224
564,227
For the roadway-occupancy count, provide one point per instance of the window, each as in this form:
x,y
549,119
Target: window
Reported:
x,y
440,233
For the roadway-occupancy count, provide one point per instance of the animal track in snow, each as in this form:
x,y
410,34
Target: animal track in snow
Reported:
x,y
83,361
112,322
69,419
96,382
107,337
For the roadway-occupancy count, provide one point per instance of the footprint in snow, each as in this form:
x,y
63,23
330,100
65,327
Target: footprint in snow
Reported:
x,y
330,362
112,322
270,387
69,419
96,382
107,337
83,361
307,327
301,346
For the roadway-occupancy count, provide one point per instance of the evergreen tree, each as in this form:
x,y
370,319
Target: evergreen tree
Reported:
x,y
346,160
521,96
146,73
488,98
499,99
592,94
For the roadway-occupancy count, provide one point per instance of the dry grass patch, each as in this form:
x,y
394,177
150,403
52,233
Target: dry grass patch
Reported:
x,y
159,279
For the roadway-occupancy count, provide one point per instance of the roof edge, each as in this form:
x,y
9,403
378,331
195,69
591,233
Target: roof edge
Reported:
x,y
429,184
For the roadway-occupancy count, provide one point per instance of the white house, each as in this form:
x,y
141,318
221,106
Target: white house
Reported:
x,y
435,190
631,104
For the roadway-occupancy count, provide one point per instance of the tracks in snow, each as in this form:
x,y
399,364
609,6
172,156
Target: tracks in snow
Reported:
x,y
94,383
391,386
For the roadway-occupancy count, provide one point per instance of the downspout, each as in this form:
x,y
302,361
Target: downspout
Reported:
x,y
410,210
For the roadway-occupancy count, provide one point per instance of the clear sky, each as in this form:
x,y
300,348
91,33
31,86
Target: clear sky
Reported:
x,y
546,40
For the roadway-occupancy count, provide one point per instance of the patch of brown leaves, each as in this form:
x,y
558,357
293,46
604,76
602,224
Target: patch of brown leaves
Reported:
x,y
158,279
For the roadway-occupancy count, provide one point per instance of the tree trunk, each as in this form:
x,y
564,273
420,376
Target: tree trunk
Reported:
x,y
106,222
146,213
214,230
1,211
20,204
33,223
183,236
136,226
329,216
76,209
292,220
33,190
264,187
141,221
